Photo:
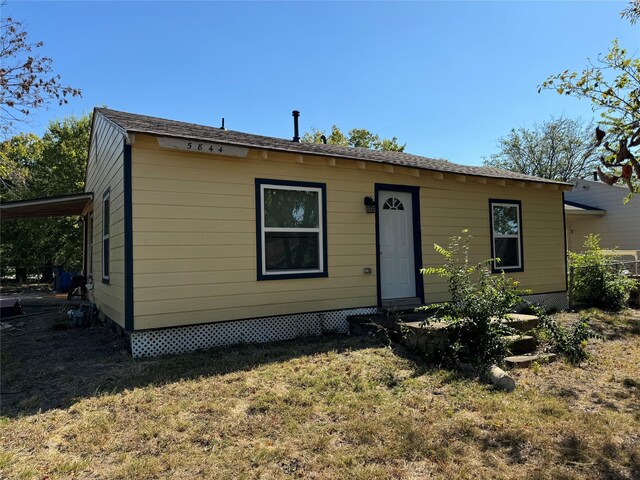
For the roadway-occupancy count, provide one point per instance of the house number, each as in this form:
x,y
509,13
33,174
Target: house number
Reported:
x,y
204,147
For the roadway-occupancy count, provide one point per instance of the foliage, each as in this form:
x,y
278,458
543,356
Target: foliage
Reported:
x,y
52,165
612,84
632,12
357,137
598,279
17,155
559,149
478,299
26,78
570,342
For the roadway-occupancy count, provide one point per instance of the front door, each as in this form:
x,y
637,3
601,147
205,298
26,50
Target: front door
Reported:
x,y
397,254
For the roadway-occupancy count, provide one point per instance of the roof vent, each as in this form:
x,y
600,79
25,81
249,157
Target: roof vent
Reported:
x,y
296,133
222,126
324,139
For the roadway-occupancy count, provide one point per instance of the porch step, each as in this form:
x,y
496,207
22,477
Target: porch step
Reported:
x,y
399,305
524,361
519,344
521,322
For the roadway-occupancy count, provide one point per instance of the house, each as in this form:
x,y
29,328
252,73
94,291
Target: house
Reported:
x,y
595,207
199,236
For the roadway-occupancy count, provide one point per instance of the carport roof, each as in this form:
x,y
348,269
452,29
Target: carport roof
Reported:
x,y
63,206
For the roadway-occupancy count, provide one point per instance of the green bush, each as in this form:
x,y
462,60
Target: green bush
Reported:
x,y
598,279
570,342
478,299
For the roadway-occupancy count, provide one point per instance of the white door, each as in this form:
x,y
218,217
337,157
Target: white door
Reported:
x,y
397,262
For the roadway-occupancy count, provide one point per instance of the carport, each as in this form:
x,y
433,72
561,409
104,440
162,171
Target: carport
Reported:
x,y
62,206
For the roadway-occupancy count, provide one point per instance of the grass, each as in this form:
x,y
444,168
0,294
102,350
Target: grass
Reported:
x,y
333,407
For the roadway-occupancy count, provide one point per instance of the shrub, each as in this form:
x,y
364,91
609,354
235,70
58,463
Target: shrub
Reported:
x,y
570,342
598,279
478,299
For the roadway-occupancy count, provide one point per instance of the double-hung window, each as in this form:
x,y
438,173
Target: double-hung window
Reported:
x,y
291,229
106,225
506,235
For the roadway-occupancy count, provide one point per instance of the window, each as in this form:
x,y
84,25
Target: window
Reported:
x,y
106,221
291,228
393,204
506,235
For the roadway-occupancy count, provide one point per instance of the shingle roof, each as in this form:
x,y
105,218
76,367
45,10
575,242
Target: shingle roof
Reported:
x,y
135,123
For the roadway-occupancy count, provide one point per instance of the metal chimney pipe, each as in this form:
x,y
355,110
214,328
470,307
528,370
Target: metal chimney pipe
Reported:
x,y
595,176
296,133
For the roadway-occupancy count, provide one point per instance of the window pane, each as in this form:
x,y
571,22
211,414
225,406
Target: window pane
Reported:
x,y
291,208
506,249
505,220
292,251
105,257
106,217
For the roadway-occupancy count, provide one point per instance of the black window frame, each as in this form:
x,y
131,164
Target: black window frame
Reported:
x,y
499,269
260,183
106,237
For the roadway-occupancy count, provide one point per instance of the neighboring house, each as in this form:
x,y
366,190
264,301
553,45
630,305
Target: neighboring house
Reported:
x,y
198,236
595,207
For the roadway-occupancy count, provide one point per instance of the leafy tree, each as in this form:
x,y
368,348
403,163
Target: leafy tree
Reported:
x,y
52,165
357,137
17,155
559,149
27,81
612,83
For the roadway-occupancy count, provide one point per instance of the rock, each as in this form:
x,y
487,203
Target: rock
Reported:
x,y
501,379
523,361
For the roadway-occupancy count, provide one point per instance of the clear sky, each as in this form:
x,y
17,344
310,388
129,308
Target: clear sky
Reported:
x,y
446,78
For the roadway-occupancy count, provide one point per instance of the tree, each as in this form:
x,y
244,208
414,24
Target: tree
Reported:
x,y
612,84
26,78
52,165
358,137
559,149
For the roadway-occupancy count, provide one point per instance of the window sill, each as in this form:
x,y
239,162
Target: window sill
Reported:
x,y
289,276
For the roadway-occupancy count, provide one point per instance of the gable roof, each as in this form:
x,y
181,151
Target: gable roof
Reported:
x,y
134,123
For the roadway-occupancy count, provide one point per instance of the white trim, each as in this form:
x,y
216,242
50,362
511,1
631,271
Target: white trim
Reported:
x,y
149,343
517,236
318,230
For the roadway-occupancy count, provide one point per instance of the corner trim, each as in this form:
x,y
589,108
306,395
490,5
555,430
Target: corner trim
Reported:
x,y
128,240
566,254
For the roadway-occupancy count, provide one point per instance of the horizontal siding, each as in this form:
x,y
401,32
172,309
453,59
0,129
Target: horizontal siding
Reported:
x,y
105,171
620,227
195,242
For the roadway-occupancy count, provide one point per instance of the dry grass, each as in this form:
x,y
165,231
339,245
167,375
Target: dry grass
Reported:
x,y
323,409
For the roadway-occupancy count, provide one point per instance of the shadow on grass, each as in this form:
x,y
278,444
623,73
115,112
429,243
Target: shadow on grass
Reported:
x,y
612,325
44,367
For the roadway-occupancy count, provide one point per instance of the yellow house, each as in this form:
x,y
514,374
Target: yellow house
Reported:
x,y
198,236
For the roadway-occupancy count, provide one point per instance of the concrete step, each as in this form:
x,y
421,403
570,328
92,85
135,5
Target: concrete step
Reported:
x,y
519,344
524,361
521,322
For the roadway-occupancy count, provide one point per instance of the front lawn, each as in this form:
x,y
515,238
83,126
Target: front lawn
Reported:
x,y
74,404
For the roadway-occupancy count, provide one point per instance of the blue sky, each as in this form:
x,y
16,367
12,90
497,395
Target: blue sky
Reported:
x,y
446,78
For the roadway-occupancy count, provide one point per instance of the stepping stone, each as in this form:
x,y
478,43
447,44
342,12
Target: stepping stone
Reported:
x,y
519,344
522,322
524,361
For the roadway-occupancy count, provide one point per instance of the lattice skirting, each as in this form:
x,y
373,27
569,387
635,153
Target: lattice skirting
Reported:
x,y
150,343
557,301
